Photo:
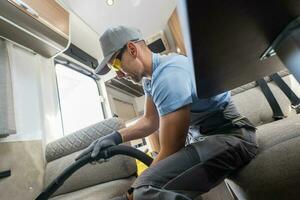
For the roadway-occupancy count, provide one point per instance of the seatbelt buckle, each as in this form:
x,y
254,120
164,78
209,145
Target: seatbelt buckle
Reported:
x,y
297,108
278,117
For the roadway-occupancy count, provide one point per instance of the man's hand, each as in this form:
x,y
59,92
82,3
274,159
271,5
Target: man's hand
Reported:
x,y
104,142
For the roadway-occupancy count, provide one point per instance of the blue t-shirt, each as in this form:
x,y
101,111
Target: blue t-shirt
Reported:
x,y
172,86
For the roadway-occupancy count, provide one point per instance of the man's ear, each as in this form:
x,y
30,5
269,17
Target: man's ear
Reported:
x,y
132,50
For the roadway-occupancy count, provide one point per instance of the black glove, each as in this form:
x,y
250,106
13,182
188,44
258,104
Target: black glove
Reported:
x,y
104,142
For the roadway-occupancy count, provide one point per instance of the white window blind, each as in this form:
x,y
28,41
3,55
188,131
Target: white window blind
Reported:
x,y
7,117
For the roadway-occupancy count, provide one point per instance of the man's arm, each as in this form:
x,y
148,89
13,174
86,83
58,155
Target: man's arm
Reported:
x,y
172,134
173,131
145,125
142,128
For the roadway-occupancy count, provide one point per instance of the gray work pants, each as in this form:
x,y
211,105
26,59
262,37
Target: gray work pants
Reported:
x,y
197,168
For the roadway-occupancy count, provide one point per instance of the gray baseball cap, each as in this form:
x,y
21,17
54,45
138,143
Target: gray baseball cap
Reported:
x,y
112,40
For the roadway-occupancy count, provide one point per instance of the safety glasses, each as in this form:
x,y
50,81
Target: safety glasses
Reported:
x,y
116,63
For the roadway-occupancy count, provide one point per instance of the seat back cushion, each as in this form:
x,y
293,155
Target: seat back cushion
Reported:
x,y
275,172
251,102
81,139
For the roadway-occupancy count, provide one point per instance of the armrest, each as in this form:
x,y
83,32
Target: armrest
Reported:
x,y
81,139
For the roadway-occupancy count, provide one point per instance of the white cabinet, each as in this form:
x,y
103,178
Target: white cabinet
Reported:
x,y
42,26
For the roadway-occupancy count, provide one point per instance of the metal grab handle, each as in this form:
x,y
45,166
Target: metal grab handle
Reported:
x,y
26,7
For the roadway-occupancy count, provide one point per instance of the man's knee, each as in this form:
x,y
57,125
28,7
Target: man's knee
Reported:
x,y
144,192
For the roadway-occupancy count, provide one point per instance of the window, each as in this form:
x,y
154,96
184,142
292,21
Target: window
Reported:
x,y
79,99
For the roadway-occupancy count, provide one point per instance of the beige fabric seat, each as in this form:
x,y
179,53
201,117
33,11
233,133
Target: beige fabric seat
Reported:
x,y
103,191
93,181
275,172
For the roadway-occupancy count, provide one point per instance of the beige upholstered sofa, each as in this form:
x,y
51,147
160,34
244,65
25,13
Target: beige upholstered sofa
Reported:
x,y
275,172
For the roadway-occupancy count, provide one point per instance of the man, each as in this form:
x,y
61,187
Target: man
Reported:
x,y
220,139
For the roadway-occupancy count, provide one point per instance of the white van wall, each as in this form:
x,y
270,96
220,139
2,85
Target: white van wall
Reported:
x,y
22,152
113,93
51,114
170,39
26,92
36,104
140,103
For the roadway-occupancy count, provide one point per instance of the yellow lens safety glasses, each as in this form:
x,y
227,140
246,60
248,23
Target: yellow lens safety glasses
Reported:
x,y
116,65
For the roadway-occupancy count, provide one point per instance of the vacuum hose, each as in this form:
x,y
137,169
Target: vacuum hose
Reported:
x,y
105,154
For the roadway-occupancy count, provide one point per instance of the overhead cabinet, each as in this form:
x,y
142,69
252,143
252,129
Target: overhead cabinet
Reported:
x,y
42,26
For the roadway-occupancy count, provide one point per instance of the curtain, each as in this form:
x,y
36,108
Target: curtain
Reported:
x,y
7,117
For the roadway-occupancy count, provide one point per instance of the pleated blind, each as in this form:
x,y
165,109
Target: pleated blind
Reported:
x,y
7,117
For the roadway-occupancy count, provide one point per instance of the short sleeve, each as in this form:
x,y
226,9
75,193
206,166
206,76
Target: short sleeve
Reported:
x,y
172,90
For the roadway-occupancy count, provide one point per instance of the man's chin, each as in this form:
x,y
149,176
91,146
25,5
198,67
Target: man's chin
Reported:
x,y
135,81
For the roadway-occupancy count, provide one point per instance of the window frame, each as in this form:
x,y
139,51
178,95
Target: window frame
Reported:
x,y
81,70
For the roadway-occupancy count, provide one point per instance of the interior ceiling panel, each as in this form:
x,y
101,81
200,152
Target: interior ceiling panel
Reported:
x,y
149,16
229,37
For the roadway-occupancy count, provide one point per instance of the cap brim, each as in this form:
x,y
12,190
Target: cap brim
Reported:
x,y
102,68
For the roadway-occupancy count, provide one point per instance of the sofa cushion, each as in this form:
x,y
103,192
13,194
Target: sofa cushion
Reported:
x,y
117,167
103,191
81,139
275,172
251,102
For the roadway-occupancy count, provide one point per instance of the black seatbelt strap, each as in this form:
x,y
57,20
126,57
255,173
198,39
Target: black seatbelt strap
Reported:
x,y
295,101
277,112
5,174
